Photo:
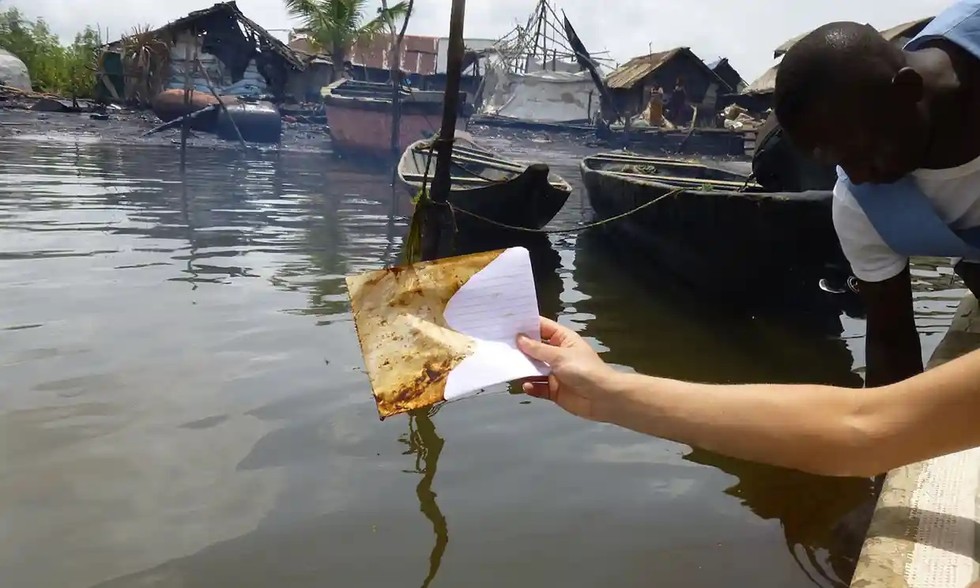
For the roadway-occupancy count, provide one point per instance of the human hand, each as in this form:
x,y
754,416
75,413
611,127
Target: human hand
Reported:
x,y
579,378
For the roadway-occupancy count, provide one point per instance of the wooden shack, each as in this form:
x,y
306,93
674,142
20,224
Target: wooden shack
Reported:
x,y
632,83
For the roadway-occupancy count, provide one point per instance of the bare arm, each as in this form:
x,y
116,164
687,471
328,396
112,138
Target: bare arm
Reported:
x,y
893,349
818,429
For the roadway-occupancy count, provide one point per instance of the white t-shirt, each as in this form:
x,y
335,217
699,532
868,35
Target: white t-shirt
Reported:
x,y
954,193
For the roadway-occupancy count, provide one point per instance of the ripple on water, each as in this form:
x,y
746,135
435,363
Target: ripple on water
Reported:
x,y
184,398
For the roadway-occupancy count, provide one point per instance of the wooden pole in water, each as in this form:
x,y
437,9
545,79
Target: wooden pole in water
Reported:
x,y
396,76
221,104
185,128
435,221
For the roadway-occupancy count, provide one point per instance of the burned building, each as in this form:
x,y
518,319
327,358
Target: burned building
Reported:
x,y
217,46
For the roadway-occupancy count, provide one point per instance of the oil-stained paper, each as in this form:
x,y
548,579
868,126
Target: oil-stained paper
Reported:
x,y
446,329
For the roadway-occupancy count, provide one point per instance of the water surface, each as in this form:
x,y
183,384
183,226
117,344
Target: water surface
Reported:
x,y
184,402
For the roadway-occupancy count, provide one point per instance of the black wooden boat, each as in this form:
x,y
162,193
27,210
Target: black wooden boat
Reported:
x,y
722,234
507,192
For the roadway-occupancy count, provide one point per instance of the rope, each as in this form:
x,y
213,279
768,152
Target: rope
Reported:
x,y
423,199
577,229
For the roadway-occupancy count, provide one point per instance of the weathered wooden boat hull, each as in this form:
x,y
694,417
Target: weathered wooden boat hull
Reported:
x,y
360,130
745,245
529,199
360,121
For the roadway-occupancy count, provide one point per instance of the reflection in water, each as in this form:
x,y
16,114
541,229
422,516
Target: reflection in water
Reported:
x,y
803,504
185,217
225,435
774,348
423,441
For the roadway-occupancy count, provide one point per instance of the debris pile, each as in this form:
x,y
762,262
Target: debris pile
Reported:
x,y
736,118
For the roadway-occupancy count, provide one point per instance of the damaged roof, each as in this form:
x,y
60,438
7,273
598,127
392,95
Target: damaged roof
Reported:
x,y
231,10
637,69
634,70
766,84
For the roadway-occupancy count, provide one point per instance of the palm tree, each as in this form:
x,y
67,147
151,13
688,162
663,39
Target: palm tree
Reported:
x,y
337,25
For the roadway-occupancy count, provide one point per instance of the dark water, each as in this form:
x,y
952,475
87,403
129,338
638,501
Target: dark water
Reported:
x,y
183,401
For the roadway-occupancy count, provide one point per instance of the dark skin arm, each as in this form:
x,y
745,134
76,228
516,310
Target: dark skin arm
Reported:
x,y
893,349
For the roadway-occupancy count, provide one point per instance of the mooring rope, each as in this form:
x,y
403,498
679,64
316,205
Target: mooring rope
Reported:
x,y
423,200
576,229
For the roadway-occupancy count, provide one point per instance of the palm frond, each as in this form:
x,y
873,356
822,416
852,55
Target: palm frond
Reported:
x,y
339,24
383,21
398,11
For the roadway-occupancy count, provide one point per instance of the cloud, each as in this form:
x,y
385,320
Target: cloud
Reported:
x,y
745,32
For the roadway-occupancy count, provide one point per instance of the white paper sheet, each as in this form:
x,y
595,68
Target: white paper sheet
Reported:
x,y
494,306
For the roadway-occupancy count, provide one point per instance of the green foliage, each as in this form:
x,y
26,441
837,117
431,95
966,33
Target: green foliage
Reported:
x,y
55,68
337,25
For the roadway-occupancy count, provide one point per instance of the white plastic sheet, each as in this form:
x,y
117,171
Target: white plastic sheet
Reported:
x,y
540,96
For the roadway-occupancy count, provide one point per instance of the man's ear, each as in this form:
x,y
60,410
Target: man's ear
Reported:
x,y
908,85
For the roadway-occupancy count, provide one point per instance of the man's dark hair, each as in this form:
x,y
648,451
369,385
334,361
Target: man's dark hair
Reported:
x,y
837,58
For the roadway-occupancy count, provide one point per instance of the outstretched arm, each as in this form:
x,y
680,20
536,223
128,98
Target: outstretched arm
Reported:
x,y
819,429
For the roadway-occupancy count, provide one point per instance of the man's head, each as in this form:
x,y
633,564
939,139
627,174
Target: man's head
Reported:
x,y
847,97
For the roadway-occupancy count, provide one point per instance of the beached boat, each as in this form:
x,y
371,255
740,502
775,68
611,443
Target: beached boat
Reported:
x,y
359,116
507,192
721,233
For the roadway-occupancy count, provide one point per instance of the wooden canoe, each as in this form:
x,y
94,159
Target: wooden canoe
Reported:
x,y
721,234
508,192
359,116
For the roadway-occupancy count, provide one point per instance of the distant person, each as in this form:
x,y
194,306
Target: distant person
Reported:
x,y
677,103
654,112
903,125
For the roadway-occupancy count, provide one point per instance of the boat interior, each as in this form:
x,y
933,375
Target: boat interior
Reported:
x,y
675,172
379,91
472,165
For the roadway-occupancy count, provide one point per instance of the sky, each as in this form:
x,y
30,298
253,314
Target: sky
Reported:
x,y
744,32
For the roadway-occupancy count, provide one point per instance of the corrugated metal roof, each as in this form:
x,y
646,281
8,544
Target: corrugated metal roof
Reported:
x,y
231,10
766,84
634,70
419,54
